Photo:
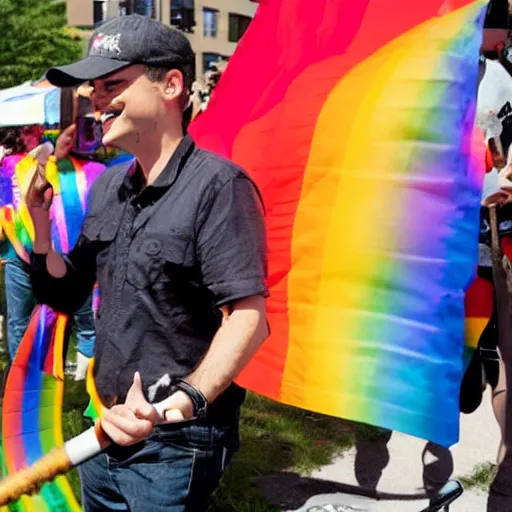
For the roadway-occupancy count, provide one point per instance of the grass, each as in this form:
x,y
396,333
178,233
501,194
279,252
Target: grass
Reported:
x,y
274,438
481,478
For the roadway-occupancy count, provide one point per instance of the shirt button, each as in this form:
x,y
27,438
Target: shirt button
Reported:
x,y
152,247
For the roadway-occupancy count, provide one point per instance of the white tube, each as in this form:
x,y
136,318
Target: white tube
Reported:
x,y
83,447
87,445
162,406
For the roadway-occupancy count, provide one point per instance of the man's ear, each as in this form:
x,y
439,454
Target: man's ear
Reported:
x,y
173,84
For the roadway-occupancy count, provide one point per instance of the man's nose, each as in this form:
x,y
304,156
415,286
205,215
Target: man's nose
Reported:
x,y
96,99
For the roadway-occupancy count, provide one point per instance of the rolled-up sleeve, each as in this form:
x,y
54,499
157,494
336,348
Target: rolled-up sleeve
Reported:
x,y
231,242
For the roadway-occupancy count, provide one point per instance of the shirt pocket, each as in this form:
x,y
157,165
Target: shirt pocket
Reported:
x,y
158,260
102,231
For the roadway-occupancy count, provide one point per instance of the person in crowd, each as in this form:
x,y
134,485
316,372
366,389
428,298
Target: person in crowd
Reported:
x,y
20,299
494,116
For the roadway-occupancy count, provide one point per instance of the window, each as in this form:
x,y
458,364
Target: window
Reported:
x,y
238,24
210,22
182,15
100,11
144,7
124,7
104,9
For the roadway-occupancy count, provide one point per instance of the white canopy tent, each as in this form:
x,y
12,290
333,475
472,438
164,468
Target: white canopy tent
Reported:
x,y
29,103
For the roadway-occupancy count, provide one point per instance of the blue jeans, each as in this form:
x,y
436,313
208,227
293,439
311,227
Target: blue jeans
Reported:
x,y
175,470
21,303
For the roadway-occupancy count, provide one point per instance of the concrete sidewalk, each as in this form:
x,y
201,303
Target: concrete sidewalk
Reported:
x,y
402,478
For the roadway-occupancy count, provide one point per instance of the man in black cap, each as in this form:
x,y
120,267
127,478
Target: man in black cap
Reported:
x,y
177,245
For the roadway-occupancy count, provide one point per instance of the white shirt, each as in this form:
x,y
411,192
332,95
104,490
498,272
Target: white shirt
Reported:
x,y
494,114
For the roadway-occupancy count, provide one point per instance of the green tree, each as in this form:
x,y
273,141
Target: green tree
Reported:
x,y
34,37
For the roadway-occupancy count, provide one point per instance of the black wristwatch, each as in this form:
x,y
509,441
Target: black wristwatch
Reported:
x,y
198,399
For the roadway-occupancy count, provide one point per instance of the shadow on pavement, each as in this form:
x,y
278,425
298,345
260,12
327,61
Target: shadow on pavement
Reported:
x,y
290,491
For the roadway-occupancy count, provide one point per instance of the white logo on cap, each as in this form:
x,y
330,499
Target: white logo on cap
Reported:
x,y
106,45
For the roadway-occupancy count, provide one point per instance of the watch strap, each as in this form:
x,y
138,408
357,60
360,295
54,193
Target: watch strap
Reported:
x,y
198,399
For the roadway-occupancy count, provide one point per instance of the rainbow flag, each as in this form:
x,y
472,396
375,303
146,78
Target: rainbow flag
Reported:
x,y
33,396
32,409
71,175
71,179
479,306
355,118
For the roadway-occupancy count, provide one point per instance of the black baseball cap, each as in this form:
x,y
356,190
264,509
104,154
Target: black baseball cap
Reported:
x,y
121,42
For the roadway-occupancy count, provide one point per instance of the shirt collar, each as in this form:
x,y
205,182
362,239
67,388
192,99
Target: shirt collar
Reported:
x,y
133,180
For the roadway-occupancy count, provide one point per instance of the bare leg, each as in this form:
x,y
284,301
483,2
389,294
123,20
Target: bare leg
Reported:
x,y
499,405
500,493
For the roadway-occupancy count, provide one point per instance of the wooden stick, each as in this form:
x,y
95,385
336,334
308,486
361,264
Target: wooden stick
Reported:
x,y
29,480
56,462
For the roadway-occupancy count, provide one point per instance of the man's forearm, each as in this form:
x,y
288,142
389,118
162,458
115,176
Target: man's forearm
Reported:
x,y
241,334
61,282
43,231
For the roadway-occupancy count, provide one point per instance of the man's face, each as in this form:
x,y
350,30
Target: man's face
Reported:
x,y
131,107
492,37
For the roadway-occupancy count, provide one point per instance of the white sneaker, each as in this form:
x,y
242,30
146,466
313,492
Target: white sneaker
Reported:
x,y
82,363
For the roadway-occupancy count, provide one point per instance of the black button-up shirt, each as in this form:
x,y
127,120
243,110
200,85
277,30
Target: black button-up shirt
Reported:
x,y
166,257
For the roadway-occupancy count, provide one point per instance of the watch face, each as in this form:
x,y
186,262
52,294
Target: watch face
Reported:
x,y
200,405
201,412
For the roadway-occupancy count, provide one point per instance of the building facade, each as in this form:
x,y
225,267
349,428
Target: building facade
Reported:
x,y
214,27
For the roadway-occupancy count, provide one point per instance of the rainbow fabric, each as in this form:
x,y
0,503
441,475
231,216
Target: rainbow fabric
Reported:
x,y
71,175
32,404
479,305
32,409
356,120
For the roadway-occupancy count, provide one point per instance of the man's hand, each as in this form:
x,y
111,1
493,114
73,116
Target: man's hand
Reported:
x,y
65,142
39,199
504,194
40,192
179,407
132,421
